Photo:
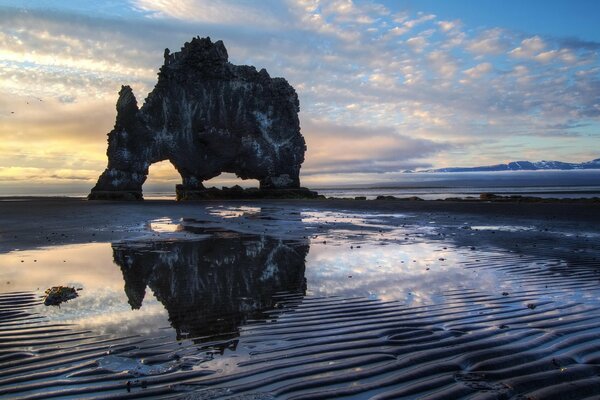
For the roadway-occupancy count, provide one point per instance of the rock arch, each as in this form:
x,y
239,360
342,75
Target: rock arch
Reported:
x,y
206,116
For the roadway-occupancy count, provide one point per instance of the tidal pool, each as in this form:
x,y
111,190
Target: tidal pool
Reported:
x,y
219,277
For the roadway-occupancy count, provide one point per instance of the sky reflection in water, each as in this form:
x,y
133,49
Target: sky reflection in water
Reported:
x,y
101,305
212,285
415,273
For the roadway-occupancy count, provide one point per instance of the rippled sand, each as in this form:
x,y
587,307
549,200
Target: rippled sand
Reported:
x,y
299,300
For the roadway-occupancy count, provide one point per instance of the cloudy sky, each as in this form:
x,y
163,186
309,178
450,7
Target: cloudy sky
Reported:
x,y
384,86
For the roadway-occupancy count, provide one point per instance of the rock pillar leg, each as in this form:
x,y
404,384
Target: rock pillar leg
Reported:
x,y
283,181
116,184
190,188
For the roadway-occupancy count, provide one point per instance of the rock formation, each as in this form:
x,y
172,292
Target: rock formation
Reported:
x,y
206,116
211,287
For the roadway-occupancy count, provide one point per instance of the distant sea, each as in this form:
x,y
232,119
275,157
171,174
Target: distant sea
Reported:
x,y
433,186
559,192
428,186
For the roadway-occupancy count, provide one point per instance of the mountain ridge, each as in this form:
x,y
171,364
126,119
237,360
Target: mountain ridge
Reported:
x,y
523,166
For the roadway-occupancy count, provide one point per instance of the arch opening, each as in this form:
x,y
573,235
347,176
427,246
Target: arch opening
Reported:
x,y
227,179
161,180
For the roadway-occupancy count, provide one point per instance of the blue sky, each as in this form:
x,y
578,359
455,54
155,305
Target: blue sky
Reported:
x,y
384,86
542,17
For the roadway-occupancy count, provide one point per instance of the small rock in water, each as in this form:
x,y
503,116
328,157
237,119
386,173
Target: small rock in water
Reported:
x,y
56,295
531,306
504,293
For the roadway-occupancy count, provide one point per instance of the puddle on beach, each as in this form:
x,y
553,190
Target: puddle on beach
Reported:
x,y
205,294
138,286
501,228
189,268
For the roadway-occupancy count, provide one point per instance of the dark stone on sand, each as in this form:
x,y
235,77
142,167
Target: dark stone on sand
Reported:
x,y
451,199
237,192
487,196
57,295
206,116
116,195
412,198
526,199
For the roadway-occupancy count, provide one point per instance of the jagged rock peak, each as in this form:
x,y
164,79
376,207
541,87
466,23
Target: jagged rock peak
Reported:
x,y
201,50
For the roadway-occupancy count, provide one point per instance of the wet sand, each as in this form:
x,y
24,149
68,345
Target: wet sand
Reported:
x,y
32,222
300,299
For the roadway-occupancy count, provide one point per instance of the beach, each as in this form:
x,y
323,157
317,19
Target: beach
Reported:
x,y
302,299
300,200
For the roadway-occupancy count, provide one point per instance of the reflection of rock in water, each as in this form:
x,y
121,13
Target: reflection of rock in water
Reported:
x,y
210,287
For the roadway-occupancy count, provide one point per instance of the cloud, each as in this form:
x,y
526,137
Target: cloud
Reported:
x,y
529,48
394,89
210,12
491,41
338,149
443,64
578,44
40,175
421,18
478,71
447,26
417,43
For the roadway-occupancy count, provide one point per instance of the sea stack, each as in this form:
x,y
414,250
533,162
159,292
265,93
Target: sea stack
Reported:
x,y
207,116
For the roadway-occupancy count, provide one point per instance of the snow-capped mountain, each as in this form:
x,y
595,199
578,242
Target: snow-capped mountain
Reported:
x,y
524,166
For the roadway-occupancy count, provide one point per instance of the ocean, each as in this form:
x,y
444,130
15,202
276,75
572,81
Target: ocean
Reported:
x,y
428,186
434,186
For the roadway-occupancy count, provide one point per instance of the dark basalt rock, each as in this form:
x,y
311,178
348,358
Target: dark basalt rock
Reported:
x,y
237,192
206,116
411,198
56,295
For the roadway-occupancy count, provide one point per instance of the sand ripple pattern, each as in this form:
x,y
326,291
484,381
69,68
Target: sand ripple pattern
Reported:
x,y
532,343
474,346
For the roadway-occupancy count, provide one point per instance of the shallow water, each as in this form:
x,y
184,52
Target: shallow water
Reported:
x,y
335,299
